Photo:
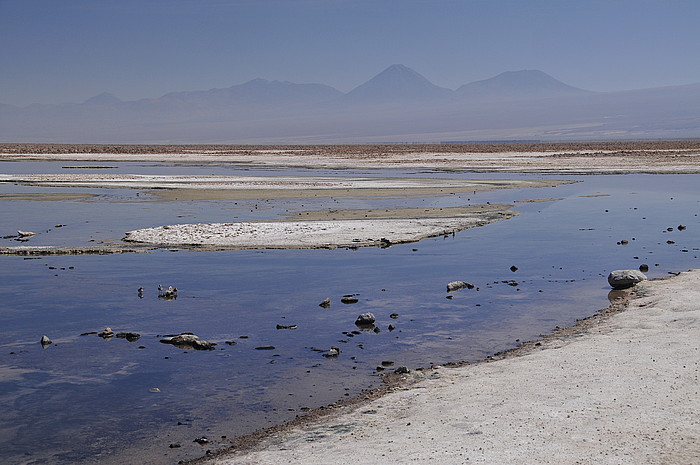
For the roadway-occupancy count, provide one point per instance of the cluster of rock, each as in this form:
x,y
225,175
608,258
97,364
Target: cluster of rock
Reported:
x,y
108,333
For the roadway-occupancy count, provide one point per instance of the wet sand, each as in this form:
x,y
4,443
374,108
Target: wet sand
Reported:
x,y
622,388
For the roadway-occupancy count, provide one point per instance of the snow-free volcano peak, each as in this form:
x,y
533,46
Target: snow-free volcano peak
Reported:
x,y
397,83
521,84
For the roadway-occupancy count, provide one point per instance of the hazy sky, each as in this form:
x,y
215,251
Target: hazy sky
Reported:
x,y
55,51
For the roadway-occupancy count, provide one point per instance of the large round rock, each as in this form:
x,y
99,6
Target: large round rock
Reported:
x,y
622,279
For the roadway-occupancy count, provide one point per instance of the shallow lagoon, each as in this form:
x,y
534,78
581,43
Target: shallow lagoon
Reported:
x,y
85,399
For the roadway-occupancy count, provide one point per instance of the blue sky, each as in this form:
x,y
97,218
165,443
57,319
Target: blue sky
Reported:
x,y
55,51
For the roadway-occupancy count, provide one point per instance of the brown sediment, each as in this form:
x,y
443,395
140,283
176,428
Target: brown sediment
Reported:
x,y
74,250
496,147
538,200
485,210
255,194
46,196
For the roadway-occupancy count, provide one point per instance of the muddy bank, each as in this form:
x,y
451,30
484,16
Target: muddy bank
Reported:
x,y
619,388
186,187
46,196
77,250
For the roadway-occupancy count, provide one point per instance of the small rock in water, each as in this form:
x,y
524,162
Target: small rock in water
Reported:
x,y
681,227
107,333
168,294
201,441
513,268
129,336
188,341
394,316
154,390
402,370
623,279
326,303
25,233
643,267
365,319
457,285
45,341
286,326
333,352
349,299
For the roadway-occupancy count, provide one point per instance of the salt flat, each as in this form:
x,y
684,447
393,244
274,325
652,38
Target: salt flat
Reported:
x,y
306,234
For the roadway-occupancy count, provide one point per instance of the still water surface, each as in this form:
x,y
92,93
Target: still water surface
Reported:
x,y
87,400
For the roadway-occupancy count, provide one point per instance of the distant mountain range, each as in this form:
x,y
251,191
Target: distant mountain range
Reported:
x,y
397,105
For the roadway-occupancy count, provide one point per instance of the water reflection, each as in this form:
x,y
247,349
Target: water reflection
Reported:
x,y
88,399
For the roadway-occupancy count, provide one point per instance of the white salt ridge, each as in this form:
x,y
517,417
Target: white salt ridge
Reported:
x,y
301,234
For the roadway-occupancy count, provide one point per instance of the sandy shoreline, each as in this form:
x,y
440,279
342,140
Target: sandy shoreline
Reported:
x,y
624,391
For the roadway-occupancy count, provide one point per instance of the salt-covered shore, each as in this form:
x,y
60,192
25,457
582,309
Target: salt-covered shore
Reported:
x,y
622,389
340,228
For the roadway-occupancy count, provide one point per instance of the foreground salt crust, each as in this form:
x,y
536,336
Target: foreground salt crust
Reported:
x,y
626,392
301,234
